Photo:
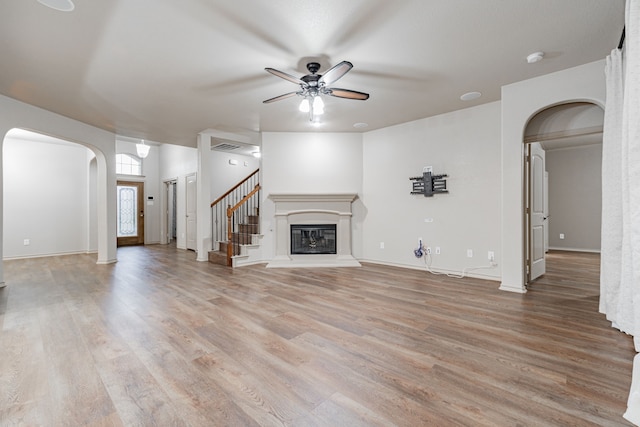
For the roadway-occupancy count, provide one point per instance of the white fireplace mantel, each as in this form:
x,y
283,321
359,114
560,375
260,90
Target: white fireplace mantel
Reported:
x,y
313,209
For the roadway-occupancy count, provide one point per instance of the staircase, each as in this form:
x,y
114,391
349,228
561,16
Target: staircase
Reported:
x,y
235,223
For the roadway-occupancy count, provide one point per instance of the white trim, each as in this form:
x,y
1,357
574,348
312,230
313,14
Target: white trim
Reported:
x,y
29,256
594,251
437,270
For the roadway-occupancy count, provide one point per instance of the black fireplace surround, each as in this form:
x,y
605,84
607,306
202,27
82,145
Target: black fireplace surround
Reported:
x,y
308,239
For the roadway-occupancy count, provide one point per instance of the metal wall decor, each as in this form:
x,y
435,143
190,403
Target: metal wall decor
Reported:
x,y
429,184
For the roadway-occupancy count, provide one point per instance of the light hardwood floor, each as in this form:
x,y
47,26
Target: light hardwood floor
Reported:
x,y
160,339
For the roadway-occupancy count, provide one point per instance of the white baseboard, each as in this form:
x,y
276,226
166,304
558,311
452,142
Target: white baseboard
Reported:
x,y
593,251
472,274
45,255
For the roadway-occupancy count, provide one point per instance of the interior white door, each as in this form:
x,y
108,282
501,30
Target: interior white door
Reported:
x,y
537,217
191,212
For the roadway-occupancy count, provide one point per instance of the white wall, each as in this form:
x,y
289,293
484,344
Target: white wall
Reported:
x,y
520,102
575,197
46,198
225,175
176,162
465,145
310,163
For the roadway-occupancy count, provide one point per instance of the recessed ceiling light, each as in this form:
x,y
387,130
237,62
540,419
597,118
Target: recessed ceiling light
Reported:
x,y
535,57
469,96
360,125
61,5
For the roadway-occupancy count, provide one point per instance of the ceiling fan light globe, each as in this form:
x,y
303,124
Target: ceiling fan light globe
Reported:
x,y
304,106
318,103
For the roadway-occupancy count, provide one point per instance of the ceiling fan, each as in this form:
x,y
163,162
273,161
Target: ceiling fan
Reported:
x,y
313,85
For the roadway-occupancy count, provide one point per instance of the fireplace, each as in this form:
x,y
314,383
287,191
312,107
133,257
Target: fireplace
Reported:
x,y
308,239
327,216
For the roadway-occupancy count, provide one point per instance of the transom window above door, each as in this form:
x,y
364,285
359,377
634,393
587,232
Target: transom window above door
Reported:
x,y
126,164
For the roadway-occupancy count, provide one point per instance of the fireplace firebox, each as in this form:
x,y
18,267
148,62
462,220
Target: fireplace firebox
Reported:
x,y
307,239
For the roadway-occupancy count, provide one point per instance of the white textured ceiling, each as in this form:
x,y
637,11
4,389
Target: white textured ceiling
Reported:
x,y
165,70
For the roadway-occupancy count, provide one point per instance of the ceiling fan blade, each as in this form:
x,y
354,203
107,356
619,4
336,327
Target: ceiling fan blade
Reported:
x,y
285,76
349,94
278,98
336,72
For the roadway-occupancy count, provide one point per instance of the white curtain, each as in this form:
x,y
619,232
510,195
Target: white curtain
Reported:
x,y
612,212
620,261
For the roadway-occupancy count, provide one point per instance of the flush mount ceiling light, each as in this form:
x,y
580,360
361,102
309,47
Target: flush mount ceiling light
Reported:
x,y
142,149
61,5
470,96
313,85
360,125
535,57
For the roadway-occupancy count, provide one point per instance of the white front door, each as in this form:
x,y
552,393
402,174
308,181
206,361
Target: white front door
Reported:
x,y
537,216
191,212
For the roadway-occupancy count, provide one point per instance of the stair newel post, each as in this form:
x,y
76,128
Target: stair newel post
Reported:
x,y
229,236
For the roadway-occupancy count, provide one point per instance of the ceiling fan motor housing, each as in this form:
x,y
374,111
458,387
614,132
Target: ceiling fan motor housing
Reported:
x,y
311,79
313,67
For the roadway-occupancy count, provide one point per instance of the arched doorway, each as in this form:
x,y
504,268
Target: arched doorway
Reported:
x,y
520,102
50,193
562,182
15,114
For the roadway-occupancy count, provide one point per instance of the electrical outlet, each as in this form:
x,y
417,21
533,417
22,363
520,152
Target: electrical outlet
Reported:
x,y
27,242
429,250
491,255
437,250
381,245
469,253
561,236
428,220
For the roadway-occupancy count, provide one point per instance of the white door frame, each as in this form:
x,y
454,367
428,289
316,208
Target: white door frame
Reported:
x,y
191,231
166,206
